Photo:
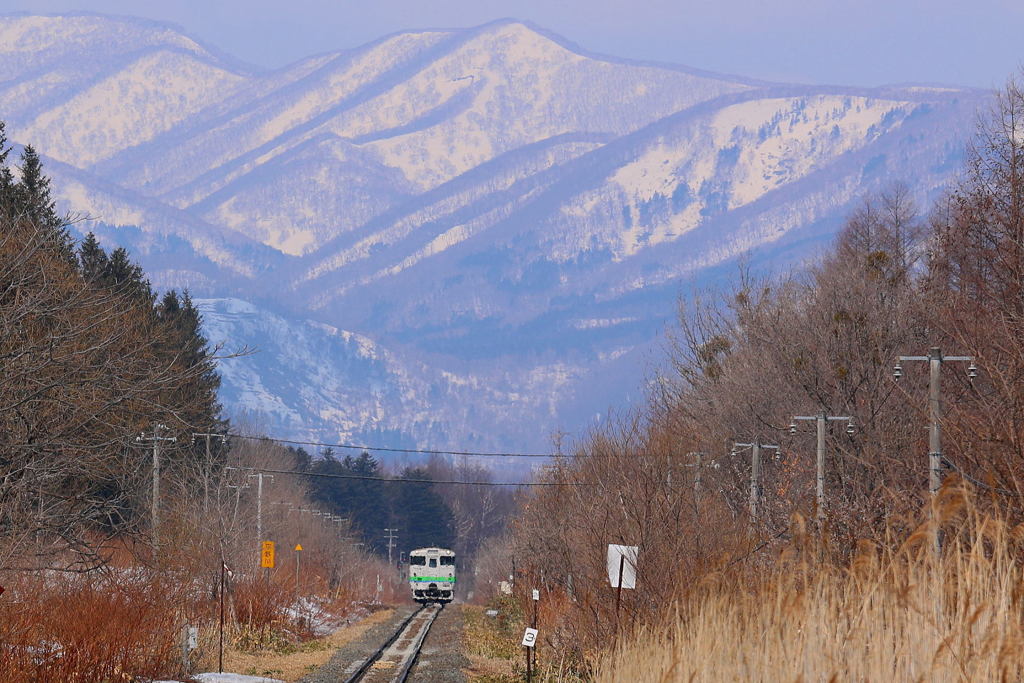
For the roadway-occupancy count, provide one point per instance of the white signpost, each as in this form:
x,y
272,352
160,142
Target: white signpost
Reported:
x,y
621,572
530,637
622,565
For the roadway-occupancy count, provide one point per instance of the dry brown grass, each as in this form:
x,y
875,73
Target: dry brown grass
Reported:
x,y
893,613
291,664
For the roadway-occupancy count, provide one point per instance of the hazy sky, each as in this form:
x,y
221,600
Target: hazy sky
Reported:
x,y
847,42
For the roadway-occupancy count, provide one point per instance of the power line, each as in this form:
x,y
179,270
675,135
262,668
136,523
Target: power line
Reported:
x,y
422,451
367,477
430,451
978,482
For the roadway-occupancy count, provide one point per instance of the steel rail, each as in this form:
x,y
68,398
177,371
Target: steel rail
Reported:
x,y
403,674
365,666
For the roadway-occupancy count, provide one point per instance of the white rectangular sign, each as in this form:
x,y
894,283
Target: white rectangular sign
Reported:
x,y
530,637
615,555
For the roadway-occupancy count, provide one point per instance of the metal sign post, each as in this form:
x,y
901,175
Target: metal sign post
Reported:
x,y
224,571
621,574
298,554
529,640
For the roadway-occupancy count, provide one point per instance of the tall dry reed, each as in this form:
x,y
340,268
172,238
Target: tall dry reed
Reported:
x,y
895,612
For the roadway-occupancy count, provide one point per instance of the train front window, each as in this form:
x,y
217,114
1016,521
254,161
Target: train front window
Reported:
x,y
433,562
447,561
414,560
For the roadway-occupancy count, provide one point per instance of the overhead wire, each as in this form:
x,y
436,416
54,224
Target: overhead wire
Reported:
x,y
437,451
368,477
976,481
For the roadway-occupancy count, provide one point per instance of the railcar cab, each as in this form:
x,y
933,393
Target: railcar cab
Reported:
x,y
432,574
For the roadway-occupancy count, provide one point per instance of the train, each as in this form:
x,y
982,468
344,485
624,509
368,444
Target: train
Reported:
x,y
432,575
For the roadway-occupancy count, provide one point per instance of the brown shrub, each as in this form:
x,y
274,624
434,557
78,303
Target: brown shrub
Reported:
x,y
89,628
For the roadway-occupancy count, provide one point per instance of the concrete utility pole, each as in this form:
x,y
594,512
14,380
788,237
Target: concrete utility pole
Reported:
x,y
755,471
208,470
698,465
391,537
821,419
259,504
155,438
935,360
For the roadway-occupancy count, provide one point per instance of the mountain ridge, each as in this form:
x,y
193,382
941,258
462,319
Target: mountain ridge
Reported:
x,y
494,204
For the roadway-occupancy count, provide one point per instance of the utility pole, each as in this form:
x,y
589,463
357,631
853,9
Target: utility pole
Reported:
x,y
259,503
699,464
755,472
821,420
391,537
208,469
935,360
259,512
155,438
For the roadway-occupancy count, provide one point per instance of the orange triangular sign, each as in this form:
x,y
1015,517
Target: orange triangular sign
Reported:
x,y
298,547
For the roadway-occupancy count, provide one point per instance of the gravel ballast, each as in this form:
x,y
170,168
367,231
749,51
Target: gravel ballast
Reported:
x,y
358,650
442,660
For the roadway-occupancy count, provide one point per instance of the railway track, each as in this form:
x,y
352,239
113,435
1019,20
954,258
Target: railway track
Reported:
x,y
393,660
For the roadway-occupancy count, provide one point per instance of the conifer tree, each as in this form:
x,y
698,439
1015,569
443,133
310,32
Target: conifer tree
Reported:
x,y
421,513
185,346
127,277
6,178
34,203
92,260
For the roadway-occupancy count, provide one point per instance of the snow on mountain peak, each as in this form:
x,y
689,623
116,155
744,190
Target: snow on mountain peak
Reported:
x,y
458,236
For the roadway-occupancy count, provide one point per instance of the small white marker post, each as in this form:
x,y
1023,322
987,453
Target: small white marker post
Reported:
x,y
533,624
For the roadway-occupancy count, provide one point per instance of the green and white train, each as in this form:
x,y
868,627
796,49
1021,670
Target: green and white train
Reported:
x,y
432,574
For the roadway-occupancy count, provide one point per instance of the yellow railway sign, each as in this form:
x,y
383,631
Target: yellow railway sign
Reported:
x,y
267,555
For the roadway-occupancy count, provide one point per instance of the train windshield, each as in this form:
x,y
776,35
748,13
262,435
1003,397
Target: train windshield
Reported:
x,y
447,561
433,562
417,560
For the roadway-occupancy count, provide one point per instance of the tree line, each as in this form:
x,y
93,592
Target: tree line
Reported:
x,y
90,357
423,514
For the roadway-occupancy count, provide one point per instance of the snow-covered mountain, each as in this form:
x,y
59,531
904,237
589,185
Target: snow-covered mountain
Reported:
x,y
447,237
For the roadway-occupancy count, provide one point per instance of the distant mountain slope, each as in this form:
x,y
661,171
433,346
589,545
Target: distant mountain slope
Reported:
x,y
495,206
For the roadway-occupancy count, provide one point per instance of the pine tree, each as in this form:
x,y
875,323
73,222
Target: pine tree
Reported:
x,y
34,203
127,277
92,260
6,177
185,346
421,513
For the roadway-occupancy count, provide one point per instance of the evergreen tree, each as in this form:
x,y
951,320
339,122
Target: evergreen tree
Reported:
x,y
421,515
185,346
363,501
92,260
34,203
6,177
127,277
